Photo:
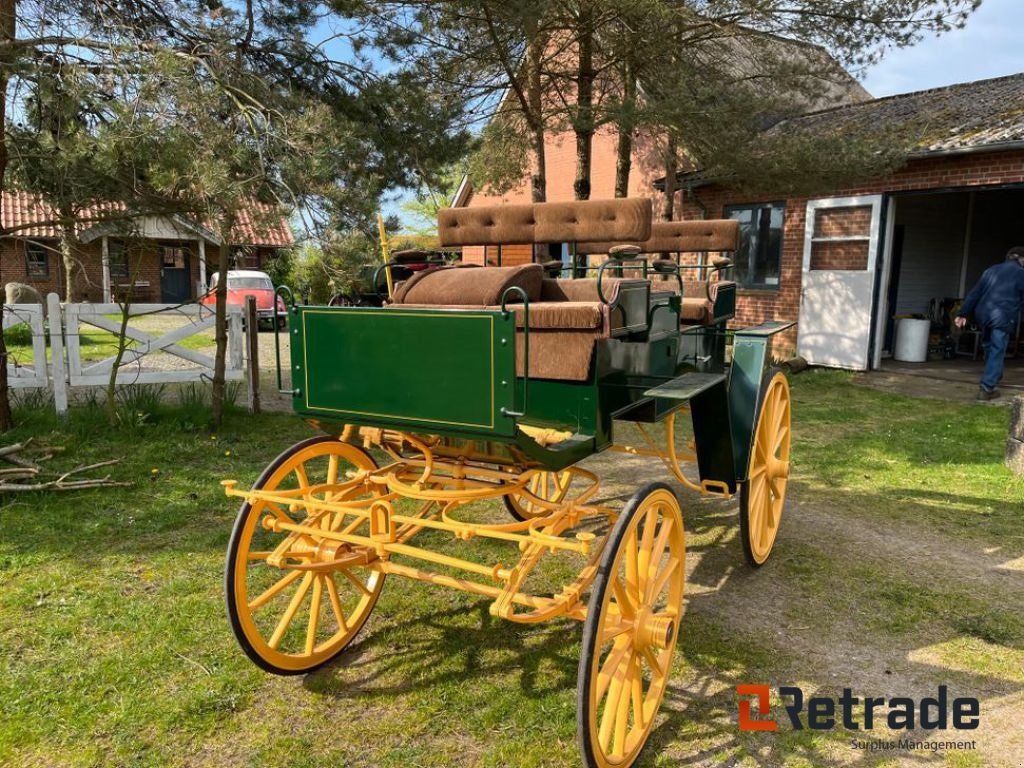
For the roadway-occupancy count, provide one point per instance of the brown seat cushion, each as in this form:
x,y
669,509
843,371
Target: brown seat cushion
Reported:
x,y
562,336
479,287
563,315
579,289
695,310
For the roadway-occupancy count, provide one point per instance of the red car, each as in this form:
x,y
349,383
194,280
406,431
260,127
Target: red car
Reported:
x,y
249,282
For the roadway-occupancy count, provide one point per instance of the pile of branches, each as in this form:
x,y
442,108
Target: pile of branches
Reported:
x,y
26,472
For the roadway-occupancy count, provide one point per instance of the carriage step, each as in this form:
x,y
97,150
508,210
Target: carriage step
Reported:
x,y
687,386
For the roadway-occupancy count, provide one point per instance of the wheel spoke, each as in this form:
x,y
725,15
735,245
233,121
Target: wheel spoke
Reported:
x,y
612,630
289,614
622,710
637,695
257,555
650,522
332,593
780,438
356,582
622,599
332,470
658,584
609,668
632,564
611,706
653,662
267,595
300,473
314,616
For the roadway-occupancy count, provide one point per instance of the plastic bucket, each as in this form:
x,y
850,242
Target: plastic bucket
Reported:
x,y
912,340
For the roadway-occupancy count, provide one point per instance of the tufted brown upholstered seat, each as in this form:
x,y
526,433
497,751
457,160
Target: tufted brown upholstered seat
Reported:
x,y
566,318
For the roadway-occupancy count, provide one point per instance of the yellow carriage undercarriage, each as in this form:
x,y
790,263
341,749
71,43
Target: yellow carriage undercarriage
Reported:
x,y
325,524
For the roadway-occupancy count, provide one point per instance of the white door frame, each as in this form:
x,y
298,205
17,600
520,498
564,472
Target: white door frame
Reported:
x,y
863,359
885,277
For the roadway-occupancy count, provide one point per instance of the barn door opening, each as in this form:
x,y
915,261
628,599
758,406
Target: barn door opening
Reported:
x,y
837,290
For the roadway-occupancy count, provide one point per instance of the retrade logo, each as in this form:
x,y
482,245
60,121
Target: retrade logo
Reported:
x,y
824,713
747,721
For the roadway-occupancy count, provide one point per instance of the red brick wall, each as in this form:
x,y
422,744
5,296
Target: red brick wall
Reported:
x,y
843,222
853,256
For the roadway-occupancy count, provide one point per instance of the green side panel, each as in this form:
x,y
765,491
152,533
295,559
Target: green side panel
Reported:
x,y
709,410
749,354
565,405
436,371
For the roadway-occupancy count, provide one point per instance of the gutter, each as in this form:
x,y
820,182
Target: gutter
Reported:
x,y
1002,146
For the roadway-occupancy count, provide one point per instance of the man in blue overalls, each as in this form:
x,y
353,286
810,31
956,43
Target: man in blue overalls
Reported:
x,y
996,302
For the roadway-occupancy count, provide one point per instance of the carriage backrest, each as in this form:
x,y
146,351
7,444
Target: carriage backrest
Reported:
x,y
623,220
695,236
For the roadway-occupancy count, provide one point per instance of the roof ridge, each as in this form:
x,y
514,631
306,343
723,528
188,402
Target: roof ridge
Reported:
x,y
908,94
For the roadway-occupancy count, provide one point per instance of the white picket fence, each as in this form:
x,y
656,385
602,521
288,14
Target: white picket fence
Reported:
x,y
149,358
20,374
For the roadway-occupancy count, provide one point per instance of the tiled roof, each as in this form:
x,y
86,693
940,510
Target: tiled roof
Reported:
x,y
26,215
261,225
981,114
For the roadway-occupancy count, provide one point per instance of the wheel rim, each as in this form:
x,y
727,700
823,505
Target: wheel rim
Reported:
x,y
295,616
636,631
550,486
769,468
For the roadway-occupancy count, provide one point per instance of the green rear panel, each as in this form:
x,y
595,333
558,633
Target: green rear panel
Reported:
x,y
438,371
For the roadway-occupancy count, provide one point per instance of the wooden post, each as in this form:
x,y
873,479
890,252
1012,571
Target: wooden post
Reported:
x,y
252,336
1015,441
105,262
202,267
60,385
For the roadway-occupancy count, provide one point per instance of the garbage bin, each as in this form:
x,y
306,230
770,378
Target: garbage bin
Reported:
x,y
912,340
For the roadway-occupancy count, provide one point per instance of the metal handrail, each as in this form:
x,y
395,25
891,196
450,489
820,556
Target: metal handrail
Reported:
x,y
619,264
526,347
277,338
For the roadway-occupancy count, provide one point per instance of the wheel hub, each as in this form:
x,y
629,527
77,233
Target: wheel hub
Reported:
x,y
654,630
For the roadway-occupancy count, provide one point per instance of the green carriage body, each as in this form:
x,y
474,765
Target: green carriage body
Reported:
x,y
451,372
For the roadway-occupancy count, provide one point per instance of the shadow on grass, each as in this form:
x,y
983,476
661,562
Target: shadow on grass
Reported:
x,y
462,646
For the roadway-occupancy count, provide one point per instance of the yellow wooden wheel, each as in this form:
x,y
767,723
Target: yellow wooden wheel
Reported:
x,y
550,486
291,605
629,636
763,494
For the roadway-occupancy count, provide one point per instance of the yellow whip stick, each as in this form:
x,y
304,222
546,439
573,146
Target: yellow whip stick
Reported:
x,y
384,253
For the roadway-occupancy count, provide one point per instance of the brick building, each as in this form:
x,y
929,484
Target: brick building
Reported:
x,y
844,262
168,259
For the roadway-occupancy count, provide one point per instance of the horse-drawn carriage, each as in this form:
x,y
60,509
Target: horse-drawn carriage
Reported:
x,y
484,384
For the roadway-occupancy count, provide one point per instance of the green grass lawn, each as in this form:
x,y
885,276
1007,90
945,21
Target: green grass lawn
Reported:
x,y
114,647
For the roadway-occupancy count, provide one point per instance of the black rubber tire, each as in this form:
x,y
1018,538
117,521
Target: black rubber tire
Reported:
x,y
748,553
590,626
232,557
513,510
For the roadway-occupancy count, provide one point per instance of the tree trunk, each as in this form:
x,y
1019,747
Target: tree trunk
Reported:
x,y
67,254
535,98
584,123
671,168
122,342
221,325
539,179
624,150
8,31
